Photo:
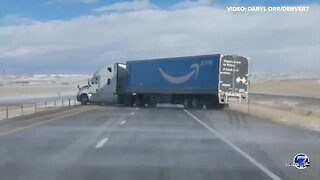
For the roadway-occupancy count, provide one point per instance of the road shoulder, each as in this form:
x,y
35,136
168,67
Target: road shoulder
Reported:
x,y
284,116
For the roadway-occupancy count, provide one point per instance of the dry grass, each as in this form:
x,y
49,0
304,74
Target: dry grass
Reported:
x,y
298,87
285,115
289,116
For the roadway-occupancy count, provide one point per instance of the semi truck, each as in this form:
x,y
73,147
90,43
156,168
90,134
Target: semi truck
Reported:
x,y
203,81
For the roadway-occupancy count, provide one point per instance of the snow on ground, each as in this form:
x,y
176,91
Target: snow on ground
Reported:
x,y
43,79
24,88
44,95
258,77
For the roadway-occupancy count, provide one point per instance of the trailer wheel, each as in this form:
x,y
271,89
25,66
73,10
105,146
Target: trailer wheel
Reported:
x,y
128,101
84,99
139,102
150,101
197,102
152,104
187,103
213,103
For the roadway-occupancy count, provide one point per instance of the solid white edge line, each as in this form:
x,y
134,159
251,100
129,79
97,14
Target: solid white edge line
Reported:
x,y
101,143
236,148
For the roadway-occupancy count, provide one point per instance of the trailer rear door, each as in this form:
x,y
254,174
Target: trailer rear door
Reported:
x,y
233,84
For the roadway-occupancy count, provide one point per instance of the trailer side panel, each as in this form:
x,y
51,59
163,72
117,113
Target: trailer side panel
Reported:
x,y
181,75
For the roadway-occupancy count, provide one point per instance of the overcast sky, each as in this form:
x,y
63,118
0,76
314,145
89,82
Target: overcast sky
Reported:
x,y
78,36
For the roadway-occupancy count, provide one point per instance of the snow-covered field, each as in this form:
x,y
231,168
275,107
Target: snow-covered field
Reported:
x,y
42,79
26,87
262,77
31,89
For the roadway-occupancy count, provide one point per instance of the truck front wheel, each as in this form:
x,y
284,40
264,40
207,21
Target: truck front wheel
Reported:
x,y
84,99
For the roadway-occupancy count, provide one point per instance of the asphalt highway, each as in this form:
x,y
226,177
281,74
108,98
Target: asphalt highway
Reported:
x,y
119,143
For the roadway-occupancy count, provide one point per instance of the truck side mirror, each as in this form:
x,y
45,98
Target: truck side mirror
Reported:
x,y
89,84
78,87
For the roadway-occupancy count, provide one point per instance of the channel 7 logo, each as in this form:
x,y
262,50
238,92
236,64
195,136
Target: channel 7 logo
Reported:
x,y
300,161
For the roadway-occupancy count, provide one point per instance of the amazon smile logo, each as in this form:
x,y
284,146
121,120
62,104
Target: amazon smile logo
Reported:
x,y
181,79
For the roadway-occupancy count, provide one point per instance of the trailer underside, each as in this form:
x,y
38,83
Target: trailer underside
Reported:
x,y
195,101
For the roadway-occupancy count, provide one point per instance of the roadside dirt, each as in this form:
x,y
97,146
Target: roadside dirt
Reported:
x,y
293,117
297,87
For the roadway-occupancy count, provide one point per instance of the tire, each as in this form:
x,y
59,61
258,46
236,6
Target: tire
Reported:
x,y
128,101
214,104
84,99
187,103
151,102
197,103
139,102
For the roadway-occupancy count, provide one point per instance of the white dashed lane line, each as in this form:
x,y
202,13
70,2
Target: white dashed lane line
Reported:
x,y
101,143
122,122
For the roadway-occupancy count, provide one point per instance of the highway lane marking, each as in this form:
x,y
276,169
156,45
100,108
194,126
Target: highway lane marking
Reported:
x,y
42,122
236,148
122,122
101,143
132,113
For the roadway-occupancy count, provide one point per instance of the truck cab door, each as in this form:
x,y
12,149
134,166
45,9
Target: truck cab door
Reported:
x,y
108,84
94,88
95,83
